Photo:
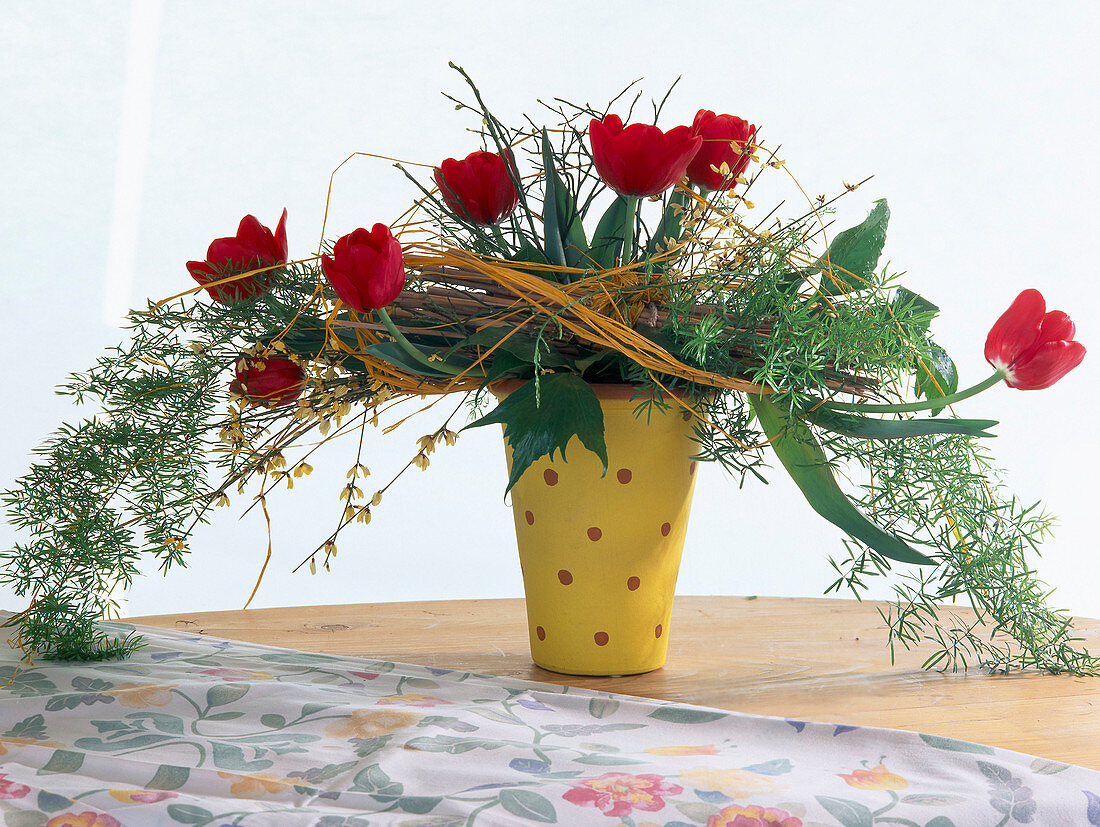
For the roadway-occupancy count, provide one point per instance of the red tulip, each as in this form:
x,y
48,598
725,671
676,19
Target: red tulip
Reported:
x,y
478,187
727,140
640,160
253,246
366,269
1033,348
271,381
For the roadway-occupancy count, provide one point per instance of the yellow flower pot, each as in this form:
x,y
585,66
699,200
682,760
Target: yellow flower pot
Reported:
x,y
600,553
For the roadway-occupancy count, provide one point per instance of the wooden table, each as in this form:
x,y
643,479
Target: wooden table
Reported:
x,y
809,659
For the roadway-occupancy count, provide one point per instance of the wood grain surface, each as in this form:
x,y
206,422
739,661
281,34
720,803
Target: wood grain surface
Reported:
x,y
808,659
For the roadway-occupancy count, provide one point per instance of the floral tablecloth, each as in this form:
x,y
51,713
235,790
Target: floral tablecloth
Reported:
x,y
202,731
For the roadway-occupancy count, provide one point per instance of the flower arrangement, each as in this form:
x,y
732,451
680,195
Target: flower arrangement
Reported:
x,y
597,250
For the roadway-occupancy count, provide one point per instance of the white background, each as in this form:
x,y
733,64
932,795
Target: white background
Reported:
x,y
132,137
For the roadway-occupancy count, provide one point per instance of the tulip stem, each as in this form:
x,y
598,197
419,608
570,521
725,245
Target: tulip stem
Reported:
x,y
412,350
938,402
628,228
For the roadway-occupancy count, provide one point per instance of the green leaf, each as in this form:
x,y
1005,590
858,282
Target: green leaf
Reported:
x,y
189,814
223,716
225,693
936,375
538,424
1041,766
273,720
855,250
686,715
452,744
528,805
51,802
848,813
499,717
908,304
954,745
865,427
602,707
603,760
418,804
231,757
64,761
550,225
805,461
607,243
507,365
169,777
33,726
932,800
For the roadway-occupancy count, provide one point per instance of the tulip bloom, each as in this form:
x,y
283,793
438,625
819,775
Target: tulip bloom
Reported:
x,y
253,246
1031,347
478,188
366,269
271,382
640,160
727,143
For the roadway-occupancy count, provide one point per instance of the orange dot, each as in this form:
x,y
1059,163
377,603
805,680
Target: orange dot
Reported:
x,y
691,468
551,476
633,583
594,534
623,475
656,632
530,518
541,633
665,529
565,577
601,638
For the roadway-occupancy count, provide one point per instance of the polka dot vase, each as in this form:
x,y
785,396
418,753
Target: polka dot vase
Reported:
x,y
600,553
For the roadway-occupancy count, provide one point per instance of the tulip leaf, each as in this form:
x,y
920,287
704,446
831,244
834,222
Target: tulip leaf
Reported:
x,y
936,375
670,224
802,456
550,225
530,253
543,415
393,354
853,255
569,224
521,345
607,243
863,427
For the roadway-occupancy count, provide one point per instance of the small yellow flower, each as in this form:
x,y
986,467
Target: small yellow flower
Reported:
x,y
256,784
141,695
376,500
731,782
303,469
707,749
878,778
421,461
369,723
